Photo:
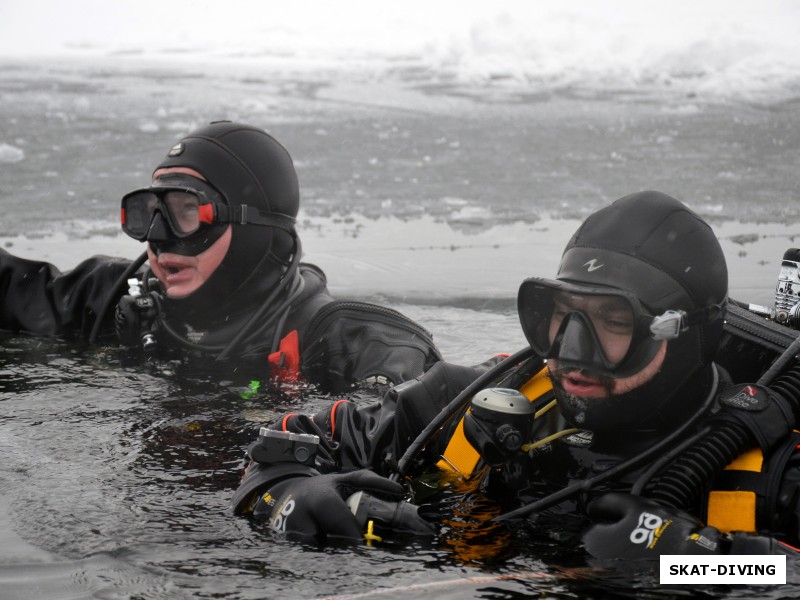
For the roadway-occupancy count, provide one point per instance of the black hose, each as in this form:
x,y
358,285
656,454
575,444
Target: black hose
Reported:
x,y
668,457
685,477
289,279
788,385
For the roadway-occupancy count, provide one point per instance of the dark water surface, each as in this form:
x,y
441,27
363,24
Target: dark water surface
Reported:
x,y
116,483
116,475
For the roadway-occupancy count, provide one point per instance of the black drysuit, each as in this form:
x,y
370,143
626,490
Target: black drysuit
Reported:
x,y
332,343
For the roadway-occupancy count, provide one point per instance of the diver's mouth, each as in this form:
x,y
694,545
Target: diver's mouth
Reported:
x,y
582,385
579,381
176,273
175,267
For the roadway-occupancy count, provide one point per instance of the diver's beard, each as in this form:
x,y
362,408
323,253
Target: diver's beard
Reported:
x,y
580,411
626,411
656,404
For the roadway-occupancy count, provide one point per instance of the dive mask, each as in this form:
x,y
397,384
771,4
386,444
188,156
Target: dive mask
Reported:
x,y
602,330
183,201
186,204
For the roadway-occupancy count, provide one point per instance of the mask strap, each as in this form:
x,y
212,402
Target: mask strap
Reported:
x,y
247,215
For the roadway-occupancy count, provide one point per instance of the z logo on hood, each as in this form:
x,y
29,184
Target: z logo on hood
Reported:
x,y
592,265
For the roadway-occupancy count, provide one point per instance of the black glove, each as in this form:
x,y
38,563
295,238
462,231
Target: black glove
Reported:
x,y
133,319
642,529
316,506
638,528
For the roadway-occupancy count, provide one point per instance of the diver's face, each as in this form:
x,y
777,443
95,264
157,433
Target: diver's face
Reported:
x,y
181,275
612,321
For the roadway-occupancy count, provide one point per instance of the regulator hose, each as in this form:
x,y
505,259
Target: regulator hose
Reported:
x,y
716,447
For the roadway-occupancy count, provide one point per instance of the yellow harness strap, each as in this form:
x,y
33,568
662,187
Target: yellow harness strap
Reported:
x,y
736,510
459,456
537,386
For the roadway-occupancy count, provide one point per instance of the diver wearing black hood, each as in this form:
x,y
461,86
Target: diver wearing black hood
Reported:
x,y
224,278
247,173
619,379
248,167
663,257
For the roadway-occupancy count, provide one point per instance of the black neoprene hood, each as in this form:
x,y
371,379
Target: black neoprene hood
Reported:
x,y
246,164
652,245
655,247
248,167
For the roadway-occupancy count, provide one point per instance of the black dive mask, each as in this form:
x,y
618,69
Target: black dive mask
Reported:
x,y
185,215
601,330
179,214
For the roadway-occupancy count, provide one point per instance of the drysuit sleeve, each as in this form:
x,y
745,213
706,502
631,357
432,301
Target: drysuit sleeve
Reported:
x,y
349,342
355,436
37,298
375,436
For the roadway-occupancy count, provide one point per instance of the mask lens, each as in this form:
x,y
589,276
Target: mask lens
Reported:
x,y
137,210
184,211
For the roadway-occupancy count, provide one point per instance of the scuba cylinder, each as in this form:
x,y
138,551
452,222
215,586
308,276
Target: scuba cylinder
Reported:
x,y
787,294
